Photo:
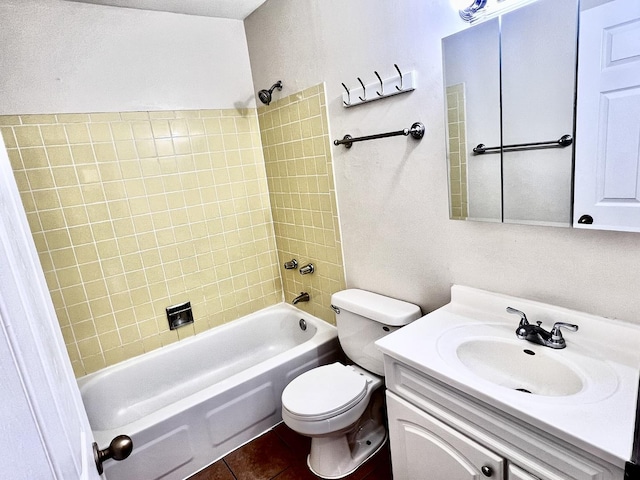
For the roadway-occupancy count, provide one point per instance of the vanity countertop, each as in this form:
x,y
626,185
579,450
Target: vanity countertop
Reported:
x,y
598,416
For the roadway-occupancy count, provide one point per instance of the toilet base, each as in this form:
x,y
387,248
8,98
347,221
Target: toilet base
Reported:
x,y
332,459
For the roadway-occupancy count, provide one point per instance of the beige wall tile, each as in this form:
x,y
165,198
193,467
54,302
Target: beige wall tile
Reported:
x,y
457,151
128,227
28,136
294,133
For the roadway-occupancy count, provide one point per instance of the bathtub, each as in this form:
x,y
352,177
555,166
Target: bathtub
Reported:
x,y
188,404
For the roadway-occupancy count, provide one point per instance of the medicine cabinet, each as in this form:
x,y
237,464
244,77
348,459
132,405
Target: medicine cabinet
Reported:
x,y
607,170
510,98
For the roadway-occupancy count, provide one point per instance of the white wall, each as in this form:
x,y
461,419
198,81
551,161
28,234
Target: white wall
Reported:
x,y
392,193
58,56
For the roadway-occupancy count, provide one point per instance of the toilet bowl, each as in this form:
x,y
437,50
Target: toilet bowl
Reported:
x,y
341,407
332,405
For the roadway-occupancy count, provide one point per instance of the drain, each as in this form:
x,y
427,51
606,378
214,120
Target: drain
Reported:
x,y
303,324
524,390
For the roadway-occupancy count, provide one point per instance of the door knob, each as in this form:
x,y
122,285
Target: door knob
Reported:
x,y
119,449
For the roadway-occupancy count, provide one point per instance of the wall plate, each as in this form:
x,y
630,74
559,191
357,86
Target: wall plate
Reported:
x,y
179,315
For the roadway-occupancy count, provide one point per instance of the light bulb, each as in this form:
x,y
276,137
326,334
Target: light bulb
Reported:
x,y
469,8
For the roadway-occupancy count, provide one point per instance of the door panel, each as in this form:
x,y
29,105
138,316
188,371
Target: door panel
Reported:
x,y
516,473
424,447
36,351
607,171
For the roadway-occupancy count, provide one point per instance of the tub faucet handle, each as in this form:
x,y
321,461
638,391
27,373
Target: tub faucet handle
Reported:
x,y
308,268
291,265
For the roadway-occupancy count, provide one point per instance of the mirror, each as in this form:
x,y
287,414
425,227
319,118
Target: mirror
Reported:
x,y
510,95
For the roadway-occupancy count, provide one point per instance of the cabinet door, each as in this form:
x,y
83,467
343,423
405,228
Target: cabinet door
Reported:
x,y
539,46
423,447
607,171
516,473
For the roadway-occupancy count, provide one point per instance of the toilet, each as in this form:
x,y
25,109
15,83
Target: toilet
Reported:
x,y
341,407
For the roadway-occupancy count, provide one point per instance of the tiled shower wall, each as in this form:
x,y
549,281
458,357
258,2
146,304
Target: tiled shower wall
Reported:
x,y
133,212
295,136
457,151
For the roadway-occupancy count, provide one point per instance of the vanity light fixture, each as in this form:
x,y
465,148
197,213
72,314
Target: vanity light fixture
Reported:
x,y
469,10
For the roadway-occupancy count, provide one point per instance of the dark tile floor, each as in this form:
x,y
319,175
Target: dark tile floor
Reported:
x,y
281,454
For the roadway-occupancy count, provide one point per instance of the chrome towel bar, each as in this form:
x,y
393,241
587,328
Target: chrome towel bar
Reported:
x,y
563,141
416,131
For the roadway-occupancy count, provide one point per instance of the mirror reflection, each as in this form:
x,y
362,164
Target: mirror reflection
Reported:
x,y
510,90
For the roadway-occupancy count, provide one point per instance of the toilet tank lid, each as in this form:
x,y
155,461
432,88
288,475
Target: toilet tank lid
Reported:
x,y
387,310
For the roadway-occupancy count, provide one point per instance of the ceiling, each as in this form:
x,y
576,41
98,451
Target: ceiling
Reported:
x,y
236,9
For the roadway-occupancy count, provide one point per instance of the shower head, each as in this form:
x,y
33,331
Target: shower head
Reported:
x,y
265,95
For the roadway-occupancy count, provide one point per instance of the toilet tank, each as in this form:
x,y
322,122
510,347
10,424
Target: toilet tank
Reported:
x,y
363,317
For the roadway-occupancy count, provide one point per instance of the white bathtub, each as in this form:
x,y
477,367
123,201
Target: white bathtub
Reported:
x,y
188,404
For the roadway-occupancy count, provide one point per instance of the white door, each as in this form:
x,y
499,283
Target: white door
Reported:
x,y
607,164
424,447
44,431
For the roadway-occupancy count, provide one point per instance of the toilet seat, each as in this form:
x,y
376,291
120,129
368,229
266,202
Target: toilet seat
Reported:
x,y
324,392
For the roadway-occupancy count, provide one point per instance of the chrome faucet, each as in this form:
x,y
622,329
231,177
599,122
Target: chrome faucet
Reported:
x,y
308,268
303,297
291,265
537,334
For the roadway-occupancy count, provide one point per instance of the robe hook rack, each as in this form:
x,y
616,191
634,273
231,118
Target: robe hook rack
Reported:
x,y
381,88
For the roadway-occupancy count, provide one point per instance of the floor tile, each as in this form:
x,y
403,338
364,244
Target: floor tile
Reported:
x,y
299,444
261,459
299,471
217,471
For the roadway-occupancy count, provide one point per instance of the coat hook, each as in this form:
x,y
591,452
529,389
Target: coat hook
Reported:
x,y
364,91
348,95
400,88
381,92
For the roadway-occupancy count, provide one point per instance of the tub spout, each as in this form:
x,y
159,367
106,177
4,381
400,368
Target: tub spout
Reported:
x,y
303,297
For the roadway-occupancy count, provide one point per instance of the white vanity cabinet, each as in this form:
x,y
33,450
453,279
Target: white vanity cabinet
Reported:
x,y
439,433
424,447
464,392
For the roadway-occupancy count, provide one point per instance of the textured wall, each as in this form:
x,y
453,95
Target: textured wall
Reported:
x,y
133,212
392,193
58,56
295,136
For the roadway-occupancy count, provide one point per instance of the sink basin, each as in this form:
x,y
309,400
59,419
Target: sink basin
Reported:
x,y
490,356
514,365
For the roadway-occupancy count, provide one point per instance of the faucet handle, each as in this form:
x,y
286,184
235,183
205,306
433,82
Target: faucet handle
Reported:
x,y
556,333
292,264
308,268
523,317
